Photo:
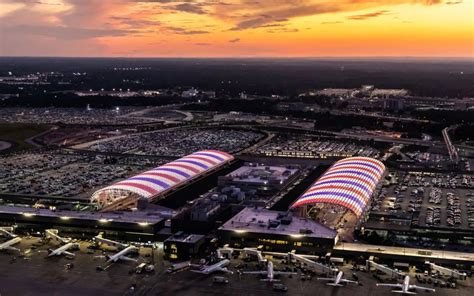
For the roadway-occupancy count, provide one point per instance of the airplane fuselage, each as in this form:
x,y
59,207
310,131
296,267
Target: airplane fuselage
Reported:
x,y
63,249
8,244
121,254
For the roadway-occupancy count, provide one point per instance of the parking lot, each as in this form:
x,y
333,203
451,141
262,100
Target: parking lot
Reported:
x,y
436,200
83,116
180,142
65,175
307,147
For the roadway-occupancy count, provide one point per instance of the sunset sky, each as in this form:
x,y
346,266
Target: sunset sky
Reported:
x,y
232,28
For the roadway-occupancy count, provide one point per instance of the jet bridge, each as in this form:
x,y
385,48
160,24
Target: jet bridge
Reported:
x,y
385,269
256,253
447,271
313,265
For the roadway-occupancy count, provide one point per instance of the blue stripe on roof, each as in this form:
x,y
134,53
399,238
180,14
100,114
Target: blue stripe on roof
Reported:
x,y
210,155
193,162
352,172
359,163
361,186
151,180
173,171
339,194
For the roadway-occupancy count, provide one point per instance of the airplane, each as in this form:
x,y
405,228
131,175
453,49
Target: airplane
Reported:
x,y
219,266
270,273
8,244
406,287
63,250
337,280
53,234
99,239
122,255
7,231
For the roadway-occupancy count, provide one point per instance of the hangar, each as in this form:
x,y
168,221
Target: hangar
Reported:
x,y
349,183
154,184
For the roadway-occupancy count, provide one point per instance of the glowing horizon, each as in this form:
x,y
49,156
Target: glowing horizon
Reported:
x,y
243,28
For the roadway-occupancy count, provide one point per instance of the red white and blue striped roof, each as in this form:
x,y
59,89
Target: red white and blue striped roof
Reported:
x,y
170,175
349,182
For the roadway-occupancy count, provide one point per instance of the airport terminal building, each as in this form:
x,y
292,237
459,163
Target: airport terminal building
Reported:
x,y
277,231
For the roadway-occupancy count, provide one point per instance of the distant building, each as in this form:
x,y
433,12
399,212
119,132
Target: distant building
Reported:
x,y
190,93
394,104
264,180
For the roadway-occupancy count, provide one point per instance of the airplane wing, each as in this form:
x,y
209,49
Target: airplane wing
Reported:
x,y
255,272
283,273
325,279
11,248
421,288
390,285
125,258
349,281
69,253
224,269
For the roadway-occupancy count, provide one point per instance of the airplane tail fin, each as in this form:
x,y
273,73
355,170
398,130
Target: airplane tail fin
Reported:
x,y
270,280
50,251
334,285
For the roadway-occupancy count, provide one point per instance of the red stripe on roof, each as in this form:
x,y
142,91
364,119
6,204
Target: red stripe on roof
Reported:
x,y
342,187
346,176
138,185
200,158
373,161
163,175
343,167
184,166
227,155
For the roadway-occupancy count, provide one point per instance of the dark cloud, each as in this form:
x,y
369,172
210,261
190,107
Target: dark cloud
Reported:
x,y
285,13
235,40
189,8
202,44
135,23
182,31
453,2
360,17
283,30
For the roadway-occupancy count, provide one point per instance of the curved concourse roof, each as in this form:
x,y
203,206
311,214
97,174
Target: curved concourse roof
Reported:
x,y
349,182
163,178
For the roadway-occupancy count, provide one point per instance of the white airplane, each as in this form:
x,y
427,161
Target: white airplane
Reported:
x,y
8,244
99,239
406,287
122,255
270,273
63,250
337,280
219,266
7,231
53,234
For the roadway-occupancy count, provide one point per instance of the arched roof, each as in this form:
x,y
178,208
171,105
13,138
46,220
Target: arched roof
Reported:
x,y
163,178
349,182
